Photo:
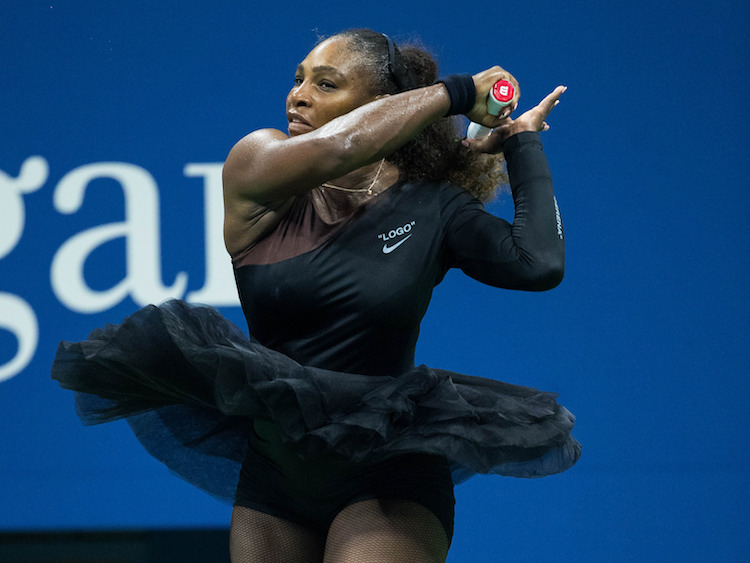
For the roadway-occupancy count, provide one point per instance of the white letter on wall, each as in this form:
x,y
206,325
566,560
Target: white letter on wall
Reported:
x,y
219,288
16,315
19,318
140,229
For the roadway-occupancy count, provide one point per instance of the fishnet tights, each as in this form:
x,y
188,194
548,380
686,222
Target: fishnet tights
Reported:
x,y
256,537
371,531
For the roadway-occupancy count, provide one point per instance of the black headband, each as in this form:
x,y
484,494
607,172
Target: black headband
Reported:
x,y
392,63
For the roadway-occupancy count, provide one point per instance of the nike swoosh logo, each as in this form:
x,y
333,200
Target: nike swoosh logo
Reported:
x,y
388,249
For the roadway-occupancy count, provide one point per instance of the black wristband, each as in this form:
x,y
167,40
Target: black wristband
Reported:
x,y
462,92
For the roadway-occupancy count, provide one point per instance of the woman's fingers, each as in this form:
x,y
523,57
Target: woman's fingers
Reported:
x,y
504,127
551,100
536,116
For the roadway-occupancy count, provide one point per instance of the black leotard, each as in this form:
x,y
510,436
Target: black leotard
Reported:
x,y
353,301
345,288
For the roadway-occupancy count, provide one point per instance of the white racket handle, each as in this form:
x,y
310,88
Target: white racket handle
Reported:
x,y
476,131
500,96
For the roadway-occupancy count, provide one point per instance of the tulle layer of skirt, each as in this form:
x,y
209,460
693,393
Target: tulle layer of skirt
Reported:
x,y
190,383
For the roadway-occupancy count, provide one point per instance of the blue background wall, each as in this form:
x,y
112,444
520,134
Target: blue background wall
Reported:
x,y
646,339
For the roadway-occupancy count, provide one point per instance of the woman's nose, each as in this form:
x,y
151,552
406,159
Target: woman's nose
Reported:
x,y
300,95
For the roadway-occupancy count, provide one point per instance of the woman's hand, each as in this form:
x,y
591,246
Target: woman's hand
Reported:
x,y
532,120
484,81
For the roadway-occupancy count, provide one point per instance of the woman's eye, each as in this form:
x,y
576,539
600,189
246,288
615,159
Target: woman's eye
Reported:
x,y
327,85
297,80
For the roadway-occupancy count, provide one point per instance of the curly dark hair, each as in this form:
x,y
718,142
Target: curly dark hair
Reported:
x,y
436,154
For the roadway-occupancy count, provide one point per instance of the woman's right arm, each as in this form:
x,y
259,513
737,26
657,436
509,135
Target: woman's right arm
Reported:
x,y
267,165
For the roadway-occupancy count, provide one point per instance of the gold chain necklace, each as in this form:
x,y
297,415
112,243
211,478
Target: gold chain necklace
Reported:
x,y
368,189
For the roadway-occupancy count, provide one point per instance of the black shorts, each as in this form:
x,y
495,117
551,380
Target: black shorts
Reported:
x,y
275,481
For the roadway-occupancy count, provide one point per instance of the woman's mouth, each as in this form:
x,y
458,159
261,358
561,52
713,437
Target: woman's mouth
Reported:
x,y
298,124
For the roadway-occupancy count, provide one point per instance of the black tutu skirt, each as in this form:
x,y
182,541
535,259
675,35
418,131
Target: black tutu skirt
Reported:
x,y
190,383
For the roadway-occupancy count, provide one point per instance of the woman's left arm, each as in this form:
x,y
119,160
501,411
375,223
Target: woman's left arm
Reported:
x,y
530,253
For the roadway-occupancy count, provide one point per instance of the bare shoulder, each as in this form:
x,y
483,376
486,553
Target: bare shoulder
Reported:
x,y
247,152
257,139
245,218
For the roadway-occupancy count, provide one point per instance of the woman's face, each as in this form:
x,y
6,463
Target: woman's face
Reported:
x,y
328,83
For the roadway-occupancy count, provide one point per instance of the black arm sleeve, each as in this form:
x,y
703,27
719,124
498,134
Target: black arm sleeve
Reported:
x,y
530,253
